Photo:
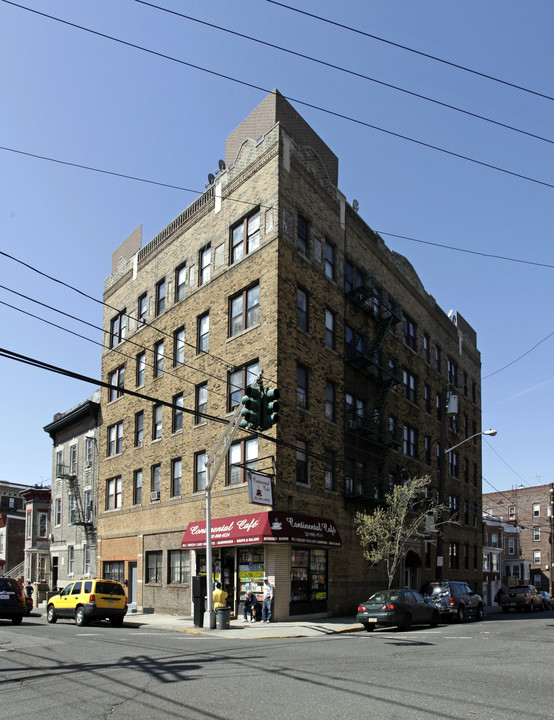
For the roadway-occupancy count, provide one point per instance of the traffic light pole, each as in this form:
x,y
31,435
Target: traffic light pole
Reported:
x,y
213,465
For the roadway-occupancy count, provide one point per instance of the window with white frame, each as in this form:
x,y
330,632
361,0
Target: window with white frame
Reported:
x,y
42,524
536,534
511,546
160,296
115,439
238,380
204,263
118,329
536,510
73,460
89,451
244,310
113,493
57,512
179,567
86,559
243,456
179,346
70,559
158,358
245,236
200,475
180,282
536,557
117,380
512,512
176,477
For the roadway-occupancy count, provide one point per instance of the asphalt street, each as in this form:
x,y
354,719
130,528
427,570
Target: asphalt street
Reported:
x,y
499,669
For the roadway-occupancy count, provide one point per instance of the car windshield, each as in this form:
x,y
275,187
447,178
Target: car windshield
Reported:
x,y
6,585
384,596
109,588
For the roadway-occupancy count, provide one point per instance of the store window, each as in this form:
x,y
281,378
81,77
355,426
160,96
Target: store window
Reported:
x,y
308,576
179,567
251,571
154,566
114,570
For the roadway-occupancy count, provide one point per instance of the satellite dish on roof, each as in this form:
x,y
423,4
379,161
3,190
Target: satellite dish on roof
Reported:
x,y
211,178
221,164
355,205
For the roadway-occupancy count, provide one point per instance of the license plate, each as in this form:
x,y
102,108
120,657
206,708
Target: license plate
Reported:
x,y
110,602
372,619
4,597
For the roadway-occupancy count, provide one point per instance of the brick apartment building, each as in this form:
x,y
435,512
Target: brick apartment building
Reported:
x,y
75,438
530,509
272,270
12,528
503,564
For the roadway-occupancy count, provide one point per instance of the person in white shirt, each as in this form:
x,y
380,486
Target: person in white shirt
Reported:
x,y
268,599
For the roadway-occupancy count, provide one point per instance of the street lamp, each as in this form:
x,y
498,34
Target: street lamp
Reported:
x,y
484,432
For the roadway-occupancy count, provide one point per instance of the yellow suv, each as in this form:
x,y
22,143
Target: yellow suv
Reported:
x,y
87,600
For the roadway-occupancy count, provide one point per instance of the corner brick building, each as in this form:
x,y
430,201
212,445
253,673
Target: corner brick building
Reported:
x,y
272,271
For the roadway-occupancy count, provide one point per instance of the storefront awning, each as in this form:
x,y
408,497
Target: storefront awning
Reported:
x,y
270,527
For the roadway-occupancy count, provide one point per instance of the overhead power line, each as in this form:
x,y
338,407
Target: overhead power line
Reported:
x,y
347,71
313,106
412,50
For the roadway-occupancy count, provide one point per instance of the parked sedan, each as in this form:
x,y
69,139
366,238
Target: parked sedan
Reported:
x,y
401,608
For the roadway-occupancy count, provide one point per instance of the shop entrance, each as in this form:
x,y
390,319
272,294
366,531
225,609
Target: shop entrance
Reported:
x,y
223,571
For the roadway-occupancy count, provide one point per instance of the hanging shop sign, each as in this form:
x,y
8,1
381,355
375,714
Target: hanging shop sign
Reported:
x,y
271,527
261,488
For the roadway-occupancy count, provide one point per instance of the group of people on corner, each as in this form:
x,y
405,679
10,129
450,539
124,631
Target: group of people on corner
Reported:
x,y
252,607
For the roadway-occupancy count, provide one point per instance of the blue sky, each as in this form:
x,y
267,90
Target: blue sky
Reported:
x,y
88,100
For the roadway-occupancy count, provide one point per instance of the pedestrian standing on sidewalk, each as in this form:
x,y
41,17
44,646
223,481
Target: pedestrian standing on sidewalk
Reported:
x,y
268,599
219,597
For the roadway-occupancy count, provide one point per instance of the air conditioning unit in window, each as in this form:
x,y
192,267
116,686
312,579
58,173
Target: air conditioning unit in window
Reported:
x,y
155,495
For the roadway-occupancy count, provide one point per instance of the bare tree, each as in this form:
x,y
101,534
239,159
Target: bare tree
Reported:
x,y
409,514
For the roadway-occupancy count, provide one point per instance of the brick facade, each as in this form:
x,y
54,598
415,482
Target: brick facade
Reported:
x,y
283,178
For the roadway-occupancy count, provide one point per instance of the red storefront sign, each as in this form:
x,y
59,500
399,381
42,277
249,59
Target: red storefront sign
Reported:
x,y
270,527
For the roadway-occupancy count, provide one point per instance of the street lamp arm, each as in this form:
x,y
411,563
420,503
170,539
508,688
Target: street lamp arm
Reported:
x,y
484,432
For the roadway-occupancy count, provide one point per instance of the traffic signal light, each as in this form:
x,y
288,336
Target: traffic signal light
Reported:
x,y
251,412
270,408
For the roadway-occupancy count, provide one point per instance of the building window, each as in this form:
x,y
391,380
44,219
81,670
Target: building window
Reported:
x,y
179,567
28,525
86,559
329,260
88,505
438,405
244,310
454,555
410,386
117,380
302,235
302,379
180,282
114,570
329,470
155,482
536,510
427,449
245,236
157,415
177,413
159,358
70,559
354,348
330,393
142,309
203,333
354,411
511,546
160,296
89,451
115,439
302,309
57,512
329,328
536,534
427,398
243,456
137,487
452,373
113,493
118,329
512,512
141,368
179,346
176,477
536,557
201,402
42,524
438,358
410,441
72,509
302,475
204,264
453,464
154,566
73,460
426,349
238,381
200,473
409,332
352,277
139,429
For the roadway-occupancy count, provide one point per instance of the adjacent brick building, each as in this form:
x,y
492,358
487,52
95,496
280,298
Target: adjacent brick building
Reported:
x,y
272,270
12,528
530,509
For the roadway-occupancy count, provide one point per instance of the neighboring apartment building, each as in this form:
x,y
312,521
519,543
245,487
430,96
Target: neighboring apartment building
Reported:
x,y
272,270
37,538
502,562
530,508
12,528
75,435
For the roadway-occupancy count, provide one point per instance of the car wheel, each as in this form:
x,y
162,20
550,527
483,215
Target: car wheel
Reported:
x,y
17,620
80,618
434,619
460,615
406,622
51,614
116,621
479,614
